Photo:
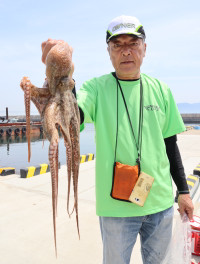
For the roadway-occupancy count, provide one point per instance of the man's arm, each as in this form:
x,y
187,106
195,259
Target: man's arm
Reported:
x,y
178,175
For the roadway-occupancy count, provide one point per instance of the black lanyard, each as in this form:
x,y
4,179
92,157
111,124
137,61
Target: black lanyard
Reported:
x,y
138,143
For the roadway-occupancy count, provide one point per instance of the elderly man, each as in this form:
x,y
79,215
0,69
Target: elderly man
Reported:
x,y
136,122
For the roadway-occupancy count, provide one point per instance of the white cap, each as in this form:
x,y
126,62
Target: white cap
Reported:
x,y
125,25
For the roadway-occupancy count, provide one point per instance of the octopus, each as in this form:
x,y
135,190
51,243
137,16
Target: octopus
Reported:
x,y
59,111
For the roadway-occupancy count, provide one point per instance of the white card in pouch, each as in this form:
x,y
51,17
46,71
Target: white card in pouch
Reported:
x,y
141,189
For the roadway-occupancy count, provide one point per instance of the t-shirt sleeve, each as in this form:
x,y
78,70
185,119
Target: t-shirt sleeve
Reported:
x,y
86,98
173,120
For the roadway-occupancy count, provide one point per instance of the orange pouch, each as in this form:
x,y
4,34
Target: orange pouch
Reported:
x,y
124,180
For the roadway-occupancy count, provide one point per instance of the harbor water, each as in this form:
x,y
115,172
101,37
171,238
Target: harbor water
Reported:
x,y
14,149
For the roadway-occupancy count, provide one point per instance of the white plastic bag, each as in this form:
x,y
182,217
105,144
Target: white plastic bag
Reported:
x,y
179,250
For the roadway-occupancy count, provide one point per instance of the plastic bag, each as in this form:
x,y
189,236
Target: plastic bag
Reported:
x,y
179,250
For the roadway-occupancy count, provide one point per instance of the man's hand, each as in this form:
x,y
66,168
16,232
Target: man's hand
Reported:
x,y
185,205
47,45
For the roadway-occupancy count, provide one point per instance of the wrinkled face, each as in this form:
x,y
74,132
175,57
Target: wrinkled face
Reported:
x,y
127,53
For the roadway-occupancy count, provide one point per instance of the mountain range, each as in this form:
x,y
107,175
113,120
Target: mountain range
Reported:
x,y
186,108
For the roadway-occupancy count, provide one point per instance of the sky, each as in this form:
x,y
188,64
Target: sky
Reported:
x,y
173,41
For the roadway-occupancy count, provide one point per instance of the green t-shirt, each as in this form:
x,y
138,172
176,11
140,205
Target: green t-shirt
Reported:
x,y
161,119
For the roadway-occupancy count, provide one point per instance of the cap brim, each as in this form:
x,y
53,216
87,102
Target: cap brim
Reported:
x,y
137,34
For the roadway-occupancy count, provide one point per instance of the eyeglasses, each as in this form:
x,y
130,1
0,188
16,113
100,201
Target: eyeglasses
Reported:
x,y
118,46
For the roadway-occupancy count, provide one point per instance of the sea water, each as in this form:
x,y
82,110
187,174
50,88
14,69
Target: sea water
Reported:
x,y
14,150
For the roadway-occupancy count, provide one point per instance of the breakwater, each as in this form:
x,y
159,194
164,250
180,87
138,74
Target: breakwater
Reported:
x,y
191,118
11,129
16,125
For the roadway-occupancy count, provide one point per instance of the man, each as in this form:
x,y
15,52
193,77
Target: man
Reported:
x,y
152,143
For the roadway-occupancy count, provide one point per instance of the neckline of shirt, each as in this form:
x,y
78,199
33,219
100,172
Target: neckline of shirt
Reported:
x,y
131,80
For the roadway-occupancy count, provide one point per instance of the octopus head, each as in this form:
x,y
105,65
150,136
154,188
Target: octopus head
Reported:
x,y
59,67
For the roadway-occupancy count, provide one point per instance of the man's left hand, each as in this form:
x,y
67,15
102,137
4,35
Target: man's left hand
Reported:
x,y
185,205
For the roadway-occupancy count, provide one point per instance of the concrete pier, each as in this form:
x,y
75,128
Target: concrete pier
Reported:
x,y
26,226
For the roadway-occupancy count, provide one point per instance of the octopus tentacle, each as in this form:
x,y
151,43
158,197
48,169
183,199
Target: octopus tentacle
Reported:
x,y
53,156
68,146
69,169
56,170
27,99
40,97
74,133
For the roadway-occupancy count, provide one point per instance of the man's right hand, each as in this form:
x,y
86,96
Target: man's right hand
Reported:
x,y
47,45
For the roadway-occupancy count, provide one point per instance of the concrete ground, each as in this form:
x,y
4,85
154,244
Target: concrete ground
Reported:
x,y
26,227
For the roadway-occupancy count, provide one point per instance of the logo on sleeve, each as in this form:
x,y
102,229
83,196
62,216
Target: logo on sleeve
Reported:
x,y
152,108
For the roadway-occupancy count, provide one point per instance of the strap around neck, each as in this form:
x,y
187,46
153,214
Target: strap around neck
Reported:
x,y
138,143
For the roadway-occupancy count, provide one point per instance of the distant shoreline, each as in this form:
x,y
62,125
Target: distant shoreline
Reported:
x,y
184,115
